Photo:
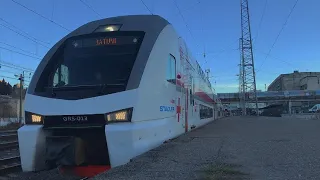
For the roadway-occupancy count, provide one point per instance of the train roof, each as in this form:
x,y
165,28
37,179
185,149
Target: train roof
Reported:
x,y
128,22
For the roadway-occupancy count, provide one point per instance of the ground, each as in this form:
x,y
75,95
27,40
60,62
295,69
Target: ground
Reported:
x,y
233,148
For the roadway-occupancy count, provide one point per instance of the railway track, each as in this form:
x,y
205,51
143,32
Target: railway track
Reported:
x,y
9,153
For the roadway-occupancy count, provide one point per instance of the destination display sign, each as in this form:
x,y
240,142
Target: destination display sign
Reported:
x,y
103,41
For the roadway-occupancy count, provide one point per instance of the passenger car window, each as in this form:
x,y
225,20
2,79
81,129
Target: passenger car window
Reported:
x,y
171,69
205,112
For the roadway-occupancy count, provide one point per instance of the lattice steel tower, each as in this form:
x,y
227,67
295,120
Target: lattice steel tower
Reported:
x,y
241,80
248,73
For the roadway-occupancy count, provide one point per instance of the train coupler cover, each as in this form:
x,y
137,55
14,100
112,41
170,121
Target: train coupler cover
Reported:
x,y
65,151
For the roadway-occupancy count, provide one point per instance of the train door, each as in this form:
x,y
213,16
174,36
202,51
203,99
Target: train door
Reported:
x,y
181,109
190,104
182,93
181,100
188,96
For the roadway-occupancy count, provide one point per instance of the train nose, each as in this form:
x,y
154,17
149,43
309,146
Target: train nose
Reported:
x,y
65,150
82,152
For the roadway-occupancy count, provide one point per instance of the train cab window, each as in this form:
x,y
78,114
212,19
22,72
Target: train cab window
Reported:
x,y
90,65
171,69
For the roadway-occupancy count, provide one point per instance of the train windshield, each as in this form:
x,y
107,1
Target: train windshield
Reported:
x,y
95,60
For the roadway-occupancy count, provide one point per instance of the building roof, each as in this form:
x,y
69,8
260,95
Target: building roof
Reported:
x,y
280,76
288,74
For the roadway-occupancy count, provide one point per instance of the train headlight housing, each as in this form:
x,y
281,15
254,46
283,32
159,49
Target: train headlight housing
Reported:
x,y
119,116
31,118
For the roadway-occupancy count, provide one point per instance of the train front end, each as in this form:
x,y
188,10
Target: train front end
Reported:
x,y
87,81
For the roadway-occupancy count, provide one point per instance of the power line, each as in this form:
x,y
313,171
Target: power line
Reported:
x,y
1,70
17,48
275,58
52,9
14,66
227,48
185,22
8,77
189,8
146,6
23,31
90,7
17,32
20,53
12,78
262,16
283,26
202,29
40,15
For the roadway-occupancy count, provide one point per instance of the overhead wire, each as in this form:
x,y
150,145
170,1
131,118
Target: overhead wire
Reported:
x,y
283,26
146,6
28,37
11,72
17,48
39,40
260,22
52,9
33,11
14,79
275,58
189,8
185,22
17,52
202,29
90,7
8,77
14,66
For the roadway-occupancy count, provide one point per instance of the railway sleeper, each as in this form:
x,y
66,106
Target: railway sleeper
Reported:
x,y
10,169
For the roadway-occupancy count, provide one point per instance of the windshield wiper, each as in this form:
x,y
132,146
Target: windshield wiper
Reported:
x,y
103,86
78,87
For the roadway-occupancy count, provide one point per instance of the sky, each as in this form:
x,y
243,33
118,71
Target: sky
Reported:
x,y
214,29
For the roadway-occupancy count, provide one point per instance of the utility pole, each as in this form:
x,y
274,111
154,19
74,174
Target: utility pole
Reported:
x,y
21,78
248,72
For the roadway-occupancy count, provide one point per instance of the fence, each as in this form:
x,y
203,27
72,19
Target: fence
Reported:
x,y
9,110
306,116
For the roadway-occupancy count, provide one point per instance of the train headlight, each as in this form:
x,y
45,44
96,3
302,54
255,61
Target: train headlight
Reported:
x,y
31,118
119,116
36,118
108,28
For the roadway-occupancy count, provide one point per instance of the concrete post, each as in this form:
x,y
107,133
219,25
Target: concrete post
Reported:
x,y
289,107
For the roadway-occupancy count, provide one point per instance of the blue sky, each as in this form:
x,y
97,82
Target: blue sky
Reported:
x,y
215,29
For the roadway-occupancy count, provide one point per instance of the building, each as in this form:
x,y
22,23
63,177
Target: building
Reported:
x,y
296,81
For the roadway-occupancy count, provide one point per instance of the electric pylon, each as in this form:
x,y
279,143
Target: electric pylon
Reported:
x,y
248,73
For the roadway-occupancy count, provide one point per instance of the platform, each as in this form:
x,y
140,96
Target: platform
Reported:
x,y
233,148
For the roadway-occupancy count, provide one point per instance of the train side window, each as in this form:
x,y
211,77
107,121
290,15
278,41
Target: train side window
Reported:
x,y
61,76
205,112
171,69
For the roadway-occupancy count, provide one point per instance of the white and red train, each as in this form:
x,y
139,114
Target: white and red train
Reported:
x,y
111,90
